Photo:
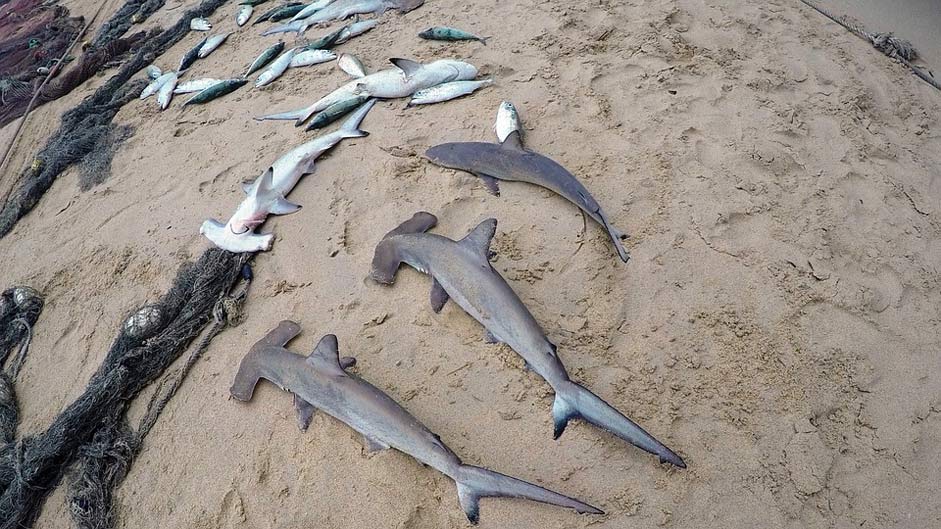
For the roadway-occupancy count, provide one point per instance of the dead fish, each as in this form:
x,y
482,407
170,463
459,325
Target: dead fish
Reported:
x,y
279,13
336,111
447,91
325,42
508,120
190,57
219,89
311,9
155,85
195,85
244,13
351,65
200,24
265,57
461,271
211,44
153,71
311,57
343,9
510,161
320,382
291,27
165,94
278,67
450,34
356,29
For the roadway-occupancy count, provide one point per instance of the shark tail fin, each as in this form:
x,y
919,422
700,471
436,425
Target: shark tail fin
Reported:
x,y
474,483
385,262
250,368
573,401
350,127
616,236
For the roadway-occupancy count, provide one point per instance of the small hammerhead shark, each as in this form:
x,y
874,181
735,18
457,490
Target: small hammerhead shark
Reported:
x,y
461,271
320,381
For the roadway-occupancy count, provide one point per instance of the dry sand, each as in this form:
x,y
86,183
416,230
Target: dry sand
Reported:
x,y
778,324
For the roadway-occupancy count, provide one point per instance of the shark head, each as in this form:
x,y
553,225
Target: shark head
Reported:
x,y
222,236
460,156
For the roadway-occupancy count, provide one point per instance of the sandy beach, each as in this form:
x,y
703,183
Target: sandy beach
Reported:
x,y
778,324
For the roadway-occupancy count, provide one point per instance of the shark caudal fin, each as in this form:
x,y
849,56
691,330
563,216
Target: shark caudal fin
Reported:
x,y
573,401
350,127
386,260
474,483
616,237
250,369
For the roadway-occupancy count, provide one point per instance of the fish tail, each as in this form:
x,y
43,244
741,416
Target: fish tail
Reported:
x,y
474,483
483,40
573,401
350,127
616,236
386,260
291,114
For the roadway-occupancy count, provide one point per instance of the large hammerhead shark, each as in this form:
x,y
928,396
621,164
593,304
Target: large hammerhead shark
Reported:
x,y
319,381
461,271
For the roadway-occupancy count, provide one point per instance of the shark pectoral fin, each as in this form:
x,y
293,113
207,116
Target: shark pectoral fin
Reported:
x,y
479,239
514,141
408,67
284,207
490,338
247,187
438,296
305,412
374,445
493,187
326,356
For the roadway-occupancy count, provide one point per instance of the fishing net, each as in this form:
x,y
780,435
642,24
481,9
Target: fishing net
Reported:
x,y
84,127
96,166
33,34
19,310
93,431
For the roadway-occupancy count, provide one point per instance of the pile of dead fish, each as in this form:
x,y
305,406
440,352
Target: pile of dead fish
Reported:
x,y
460,269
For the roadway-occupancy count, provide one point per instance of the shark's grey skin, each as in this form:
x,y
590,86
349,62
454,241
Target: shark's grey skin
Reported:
x,y
510,161
461,271
319,381
341,9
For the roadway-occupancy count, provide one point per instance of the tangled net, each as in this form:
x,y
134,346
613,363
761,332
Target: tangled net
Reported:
x,y
87,126
19,310
93,431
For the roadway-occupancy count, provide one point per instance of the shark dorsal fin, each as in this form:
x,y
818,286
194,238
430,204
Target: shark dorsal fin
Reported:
x,y
326,355
513,141
408,66
478,240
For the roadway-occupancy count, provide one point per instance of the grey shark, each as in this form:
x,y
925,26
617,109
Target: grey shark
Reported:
x,y
461,271
319,381
510,161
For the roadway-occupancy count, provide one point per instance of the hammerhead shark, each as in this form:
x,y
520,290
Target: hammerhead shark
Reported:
x,y
511,161
461,271
320,381
266,195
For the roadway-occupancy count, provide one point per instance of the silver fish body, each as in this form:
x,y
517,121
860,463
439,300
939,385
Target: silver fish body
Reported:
x,y
244,13
155,85
356,29
211,44
264,58
200,24
508,120
278,67
310,9
311,57
165,94
195,85
447,91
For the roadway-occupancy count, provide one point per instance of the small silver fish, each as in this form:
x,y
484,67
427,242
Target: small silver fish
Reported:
x,y
276,69
195,85
311,9
200,24
153,71
356,29
351,65
447,91
244,13
311,57
166,91
211,44
155,85
508,120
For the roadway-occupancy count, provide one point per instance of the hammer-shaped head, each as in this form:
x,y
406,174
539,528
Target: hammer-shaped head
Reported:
x,y
250,368
222,236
